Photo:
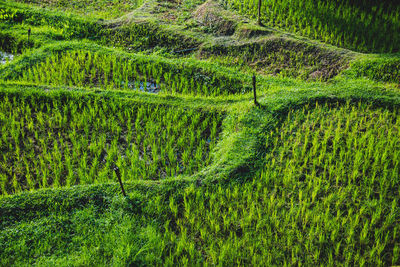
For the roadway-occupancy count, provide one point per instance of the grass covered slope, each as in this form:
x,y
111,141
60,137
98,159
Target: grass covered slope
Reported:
x,y
383,68
72,229
281,56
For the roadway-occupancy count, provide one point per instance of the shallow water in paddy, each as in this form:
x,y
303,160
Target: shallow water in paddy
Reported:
x,y
5,57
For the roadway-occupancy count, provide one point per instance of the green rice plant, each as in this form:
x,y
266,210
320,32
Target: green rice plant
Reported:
x,y
67,26
68,139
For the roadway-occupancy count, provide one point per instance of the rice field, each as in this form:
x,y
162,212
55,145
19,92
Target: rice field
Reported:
x,y
343,145
328,194
363,26
381,69
68,140
111,71
306,174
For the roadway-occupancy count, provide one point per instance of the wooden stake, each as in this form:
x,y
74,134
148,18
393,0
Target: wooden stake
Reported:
x,y
118,173
255,90
259,13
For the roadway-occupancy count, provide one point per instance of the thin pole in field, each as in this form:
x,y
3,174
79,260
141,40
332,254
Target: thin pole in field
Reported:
x,y
118,173
255,90
259,14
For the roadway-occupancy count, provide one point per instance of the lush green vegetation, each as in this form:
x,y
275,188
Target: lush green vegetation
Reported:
x,y
45,26
67,140
328,193
116,71
48,26
281,57
346,144
266,220
363,26
308,176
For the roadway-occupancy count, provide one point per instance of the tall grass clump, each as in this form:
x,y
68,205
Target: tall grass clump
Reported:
x,y
65,139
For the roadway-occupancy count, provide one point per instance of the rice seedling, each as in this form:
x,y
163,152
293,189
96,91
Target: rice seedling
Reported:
x,y
70,26
132,37
60,141
317,185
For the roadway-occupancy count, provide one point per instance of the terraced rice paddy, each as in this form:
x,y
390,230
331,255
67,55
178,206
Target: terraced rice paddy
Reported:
x,y
346,144
360,25
328,193
237,143
59,141
97,9
112,71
